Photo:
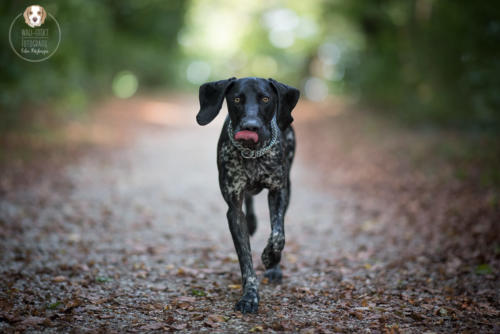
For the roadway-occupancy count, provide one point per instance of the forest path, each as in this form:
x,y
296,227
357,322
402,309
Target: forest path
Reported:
x,y
136,239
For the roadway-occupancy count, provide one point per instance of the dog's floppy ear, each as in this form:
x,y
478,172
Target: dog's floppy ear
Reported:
x,y
26,18
211,98
287,99
44,15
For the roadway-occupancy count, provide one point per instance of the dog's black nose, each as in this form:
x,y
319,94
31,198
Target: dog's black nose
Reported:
x,y
35,19
250,125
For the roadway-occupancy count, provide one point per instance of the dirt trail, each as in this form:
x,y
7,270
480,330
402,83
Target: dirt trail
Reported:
x,y
136,239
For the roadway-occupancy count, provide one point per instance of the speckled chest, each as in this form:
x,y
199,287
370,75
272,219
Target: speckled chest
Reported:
x,y
237,174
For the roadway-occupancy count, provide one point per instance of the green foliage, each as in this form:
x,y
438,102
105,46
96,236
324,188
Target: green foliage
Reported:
x,y
198,293
427,60
421,60
256,38
55,305
483,269
99,39
103,279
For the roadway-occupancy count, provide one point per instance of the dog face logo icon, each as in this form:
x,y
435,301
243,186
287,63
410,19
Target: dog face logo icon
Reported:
x,y
35,34
34,16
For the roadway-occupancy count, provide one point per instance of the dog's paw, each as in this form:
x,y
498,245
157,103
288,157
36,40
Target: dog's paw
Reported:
x,y
271,255
249,303
274,275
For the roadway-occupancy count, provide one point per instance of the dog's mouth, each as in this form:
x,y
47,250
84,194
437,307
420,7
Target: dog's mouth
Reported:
x,y
247,136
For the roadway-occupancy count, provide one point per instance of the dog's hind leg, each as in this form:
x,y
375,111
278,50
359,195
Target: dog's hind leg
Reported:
x,y
271,256
250,214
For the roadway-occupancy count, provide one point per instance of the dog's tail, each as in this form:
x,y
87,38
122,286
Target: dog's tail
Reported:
x,y
251,223
250,215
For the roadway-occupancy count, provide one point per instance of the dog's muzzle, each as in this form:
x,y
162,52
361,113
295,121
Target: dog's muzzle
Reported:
x,y
248,153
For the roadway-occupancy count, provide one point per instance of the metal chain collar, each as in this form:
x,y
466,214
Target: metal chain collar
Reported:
x,y
249,153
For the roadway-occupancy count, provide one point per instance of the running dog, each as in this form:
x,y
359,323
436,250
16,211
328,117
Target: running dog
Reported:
x,y
255,151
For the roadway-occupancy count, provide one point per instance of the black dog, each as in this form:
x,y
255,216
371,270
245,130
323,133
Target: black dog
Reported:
x,y
255,151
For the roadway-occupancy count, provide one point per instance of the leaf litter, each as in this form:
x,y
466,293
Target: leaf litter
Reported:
x,y
131,239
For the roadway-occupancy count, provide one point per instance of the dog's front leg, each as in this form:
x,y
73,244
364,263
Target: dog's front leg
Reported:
x,y
271,256
249,302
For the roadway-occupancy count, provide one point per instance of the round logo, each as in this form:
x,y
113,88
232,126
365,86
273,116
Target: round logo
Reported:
x,y
34,35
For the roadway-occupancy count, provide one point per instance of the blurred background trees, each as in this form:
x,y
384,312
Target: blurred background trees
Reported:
x,y
423,61
428,60
100,40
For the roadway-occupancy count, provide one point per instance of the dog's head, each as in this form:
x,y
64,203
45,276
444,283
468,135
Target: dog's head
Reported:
x,y
34,16
252,103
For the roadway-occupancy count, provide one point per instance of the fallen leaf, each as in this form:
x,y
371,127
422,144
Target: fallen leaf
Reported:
x,y
307,331
277,326
210,323
186,299
74,237
53,306
141,274
217,318
72,304
153,326
291,258
102,279
33,321
256,329
105,316
357,315
59,279
368,226
483,269
197,316
178,327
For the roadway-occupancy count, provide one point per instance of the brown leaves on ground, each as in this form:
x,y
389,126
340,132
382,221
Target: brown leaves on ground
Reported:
x,y
382,236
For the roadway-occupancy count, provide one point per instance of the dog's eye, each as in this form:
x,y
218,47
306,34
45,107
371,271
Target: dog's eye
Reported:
x,y
237,100
265,99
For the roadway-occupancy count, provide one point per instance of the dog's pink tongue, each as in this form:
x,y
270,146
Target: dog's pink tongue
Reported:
x,y
246,135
